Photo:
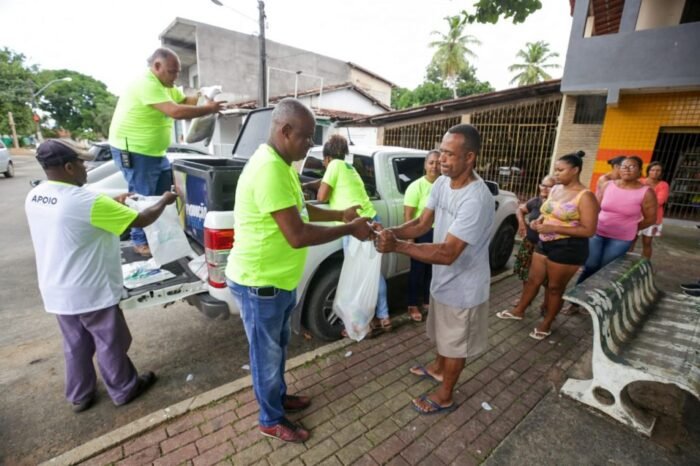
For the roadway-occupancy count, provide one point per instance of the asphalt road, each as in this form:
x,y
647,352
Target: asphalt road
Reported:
x,y
36,422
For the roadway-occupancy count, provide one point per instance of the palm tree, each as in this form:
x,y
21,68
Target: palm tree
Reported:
x,y
534,58
452,50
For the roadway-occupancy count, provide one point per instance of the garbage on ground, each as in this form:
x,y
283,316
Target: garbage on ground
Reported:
x,y
245,367
307,336
189,378
137,274
348,354
486,406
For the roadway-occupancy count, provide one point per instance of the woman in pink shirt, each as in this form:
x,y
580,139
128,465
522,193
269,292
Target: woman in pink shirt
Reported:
x,y
661,189
626,206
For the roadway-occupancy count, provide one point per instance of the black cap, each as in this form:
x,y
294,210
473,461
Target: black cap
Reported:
x,y
56,152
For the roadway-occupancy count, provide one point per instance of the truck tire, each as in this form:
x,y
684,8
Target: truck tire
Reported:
x,y
318,309
10,170
502,245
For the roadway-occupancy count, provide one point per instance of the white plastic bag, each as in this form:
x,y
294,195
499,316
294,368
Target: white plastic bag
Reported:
x,y
358,287
202,128
165,236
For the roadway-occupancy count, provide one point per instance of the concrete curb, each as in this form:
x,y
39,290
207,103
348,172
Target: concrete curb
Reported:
x,y
111,439
121,434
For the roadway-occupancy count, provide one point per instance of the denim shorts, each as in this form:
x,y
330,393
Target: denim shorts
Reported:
x,y
568,251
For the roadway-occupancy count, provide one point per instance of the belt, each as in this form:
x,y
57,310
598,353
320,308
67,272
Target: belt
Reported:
x,y
265,291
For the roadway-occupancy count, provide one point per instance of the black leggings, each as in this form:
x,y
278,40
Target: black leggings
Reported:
x,y
421,273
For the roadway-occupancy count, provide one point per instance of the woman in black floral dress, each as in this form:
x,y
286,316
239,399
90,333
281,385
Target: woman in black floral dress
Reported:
x,y
526,213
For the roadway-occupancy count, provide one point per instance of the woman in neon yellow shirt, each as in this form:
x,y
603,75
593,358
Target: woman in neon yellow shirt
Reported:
x,y
416,197
342,186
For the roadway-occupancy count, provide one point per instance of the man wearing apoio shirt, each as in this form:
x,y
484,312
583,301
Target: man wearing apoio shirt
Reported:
x,y
75,233
142,127
267,260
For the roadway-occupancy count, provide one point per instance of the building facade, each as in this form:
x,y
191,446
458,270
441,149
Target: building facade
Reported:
x,y
215,56
518,129
632,81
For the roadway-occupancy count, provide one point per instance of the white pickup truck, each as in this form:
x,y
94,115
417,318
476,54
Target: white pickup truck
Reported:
x,y
207,189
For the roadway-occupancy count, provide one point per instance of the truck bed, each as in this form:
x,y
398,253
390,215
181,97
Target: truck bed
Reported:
x,y
184,283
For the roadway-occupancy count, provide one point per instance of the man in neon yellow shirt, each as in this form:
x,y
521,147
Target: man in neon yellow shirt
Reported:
x,y
75,233
142,125
267,260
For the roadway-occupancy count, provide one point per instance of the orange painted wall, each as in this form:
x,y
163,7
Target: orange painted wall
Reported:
x,y
633,126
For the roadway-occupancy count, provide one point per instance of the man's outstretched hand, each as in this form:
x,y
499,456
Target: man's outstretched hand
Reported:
x,y
385,241
361,228
350,214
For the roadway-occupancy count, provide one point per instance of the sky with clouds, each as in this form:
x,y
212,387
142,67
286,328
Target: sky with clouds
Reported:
x,y
110,40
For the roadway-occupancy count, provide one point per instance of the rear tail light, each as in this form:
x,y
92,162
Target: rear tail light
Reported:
x,y
217,245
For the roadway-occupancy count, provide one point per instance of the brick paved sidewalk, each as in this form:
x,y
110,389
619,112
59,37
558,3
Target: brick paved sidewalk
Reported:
x,y
361,411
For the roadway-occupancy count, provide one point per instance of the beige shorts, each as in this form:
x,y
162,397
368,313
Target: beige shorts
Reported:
x,y
458,333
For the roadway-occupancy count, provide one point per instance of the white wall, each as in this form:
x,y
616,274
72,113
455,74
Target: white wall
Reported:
x,y
659,13
346,100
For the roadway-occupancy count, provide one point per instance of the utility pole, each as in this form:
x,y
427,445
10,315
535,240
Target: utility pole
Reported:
x,y
14,131
263,56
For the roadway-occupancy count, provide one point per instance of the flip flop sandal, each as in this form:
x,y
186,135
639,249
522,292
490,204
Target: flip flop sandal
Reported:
x,y
414,314
507,315
422,372
539,335
436,407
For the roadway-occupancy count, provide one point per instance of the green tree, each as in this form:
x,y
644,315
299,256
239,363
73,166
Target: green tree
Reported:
x,y
83,106
453,50
16,84
534,62
489,11
433,88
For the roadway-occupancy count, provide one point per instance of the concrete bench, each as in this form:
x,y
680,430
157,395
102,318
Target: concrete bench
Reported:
x,y
640,334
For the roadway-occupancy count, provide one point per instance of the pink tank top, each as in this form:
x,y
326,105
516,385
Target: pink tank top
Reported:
x,y
620,212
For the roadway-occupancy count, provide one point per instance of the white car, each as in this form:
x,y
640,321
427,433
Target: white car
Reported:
x,y
7,168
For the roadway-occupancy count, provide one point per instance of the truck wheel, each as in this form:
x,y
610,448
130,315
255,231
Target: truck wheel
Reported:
x,y
502,246
319,316
10,170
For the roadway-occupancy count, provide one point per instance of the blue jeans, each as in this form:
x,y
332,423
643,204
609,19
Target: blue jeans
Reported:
x,y
601,252
382,309
266,323
148,176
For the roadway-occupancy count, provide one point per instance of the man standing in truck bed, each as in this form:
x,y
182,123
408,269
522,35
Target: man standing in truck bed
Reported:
x,y
267,260
142,127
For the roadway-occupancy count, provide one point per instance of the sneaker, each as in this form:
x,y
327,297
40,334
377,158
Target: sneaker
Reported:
x,y
143,383
286,431
85,404
142,250
295,403
690,286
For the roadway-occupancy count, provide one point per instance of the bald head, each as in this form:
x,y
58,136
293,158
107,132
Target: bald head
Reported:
x,y
292,129
162,53
165,65
289,111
